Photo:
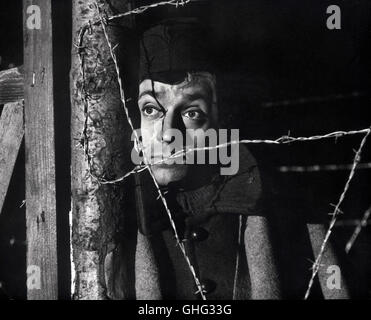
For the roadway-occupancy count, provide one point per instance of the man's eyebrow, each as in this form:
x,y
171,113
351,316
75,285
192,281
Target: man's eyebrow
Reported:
x,y
189,96
196,95
150,92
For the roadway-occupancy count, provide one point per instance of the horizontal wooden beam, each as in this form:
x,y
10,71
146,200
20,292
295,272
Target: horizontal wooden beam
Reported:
x,y
11,85
11,134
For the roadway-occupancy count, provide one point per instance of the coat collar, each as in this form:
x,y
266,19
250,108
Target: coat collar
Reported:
x,y
237,194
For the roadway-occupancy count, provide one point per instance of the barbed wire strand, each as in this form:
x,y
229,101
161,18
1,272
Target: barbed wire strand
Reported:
x,y
357,230
178,241
123,100
139,10
281,140
84,141
117,69
142,9
316,264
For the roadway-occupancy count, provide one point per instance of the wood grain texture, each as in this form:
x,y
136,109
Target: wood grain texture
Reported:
x,y
40,156
11,85
96,208
11,134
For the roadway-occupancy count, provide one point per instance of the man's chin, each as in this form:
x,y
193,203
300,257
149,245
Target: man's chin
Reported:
x,y
165,174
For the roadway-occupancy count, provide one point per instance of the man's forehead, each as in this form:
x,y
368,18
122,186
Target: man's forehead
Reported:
x,y
161,89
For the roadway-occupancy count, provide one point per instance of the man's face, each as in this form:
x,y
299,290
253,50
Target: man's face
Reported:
x,y
163,108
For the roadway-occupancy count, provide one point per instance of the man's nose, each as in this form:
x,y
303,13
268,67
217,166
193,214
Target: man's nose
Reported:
x,y
170,122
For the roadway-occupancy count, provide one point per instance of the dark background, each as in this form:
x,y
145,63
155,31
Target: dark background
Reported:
x,y
270,51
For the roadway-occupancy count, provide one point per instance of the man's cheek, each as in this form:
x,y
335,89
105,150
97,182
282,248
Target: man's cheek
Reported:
x,y
148,132
202,125
150,142
147,145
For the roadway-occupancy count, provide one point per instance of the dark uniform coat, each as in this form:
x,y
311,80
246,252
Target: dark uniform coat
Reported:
x,y
239,243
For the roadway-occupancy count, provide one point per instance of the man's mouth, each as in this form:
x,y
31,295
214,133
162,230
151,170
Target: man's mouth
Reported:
x,y
166,160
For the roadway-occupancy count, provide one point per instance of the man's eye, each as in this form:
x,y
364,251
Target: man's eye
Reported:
x,y
150,111
194,114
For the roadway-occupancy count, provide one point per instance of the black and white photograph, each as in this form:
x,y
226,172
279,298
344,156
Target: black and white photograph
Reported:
x,y
191,150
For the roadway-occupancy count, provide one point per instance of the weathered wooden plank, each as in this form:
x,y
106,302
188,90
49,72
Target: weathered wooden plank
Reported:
x,y
41,234
11,85
11,134
96,208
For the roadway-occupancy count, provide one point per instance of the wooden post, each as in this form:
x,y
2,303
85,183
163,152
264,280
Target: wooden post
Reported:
x,y
96,209
11,134
39,147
